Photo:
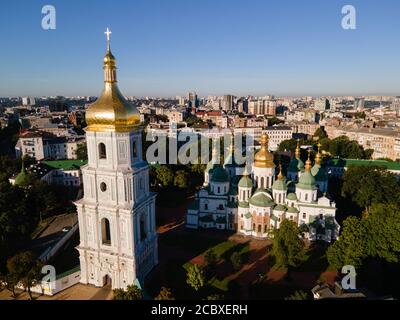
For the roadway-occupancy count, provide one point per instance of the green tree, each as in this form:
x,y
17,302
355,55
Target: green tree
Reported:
x,y
366,185
288,248
196,277
320,133
210,259
164,175
165,294
132,292
24,268
298,295
18,219
219,297
383,225
237,261
81,151
350,248
181,179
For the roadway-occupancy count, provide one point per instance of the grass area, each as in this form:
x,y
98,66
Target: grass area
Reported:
x,y
221,280
173,272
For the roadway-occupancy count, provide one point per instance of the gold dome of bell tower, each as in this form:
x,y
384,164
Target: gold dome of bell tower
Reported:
x,y
263,158
111,112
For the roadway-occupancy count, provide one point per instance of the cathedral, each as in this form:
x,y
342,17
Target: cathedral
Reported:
x,y
118,239
254,200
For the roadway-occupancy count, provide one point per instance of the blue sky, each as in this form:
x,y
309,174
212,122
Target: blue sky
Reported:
x,y
168,47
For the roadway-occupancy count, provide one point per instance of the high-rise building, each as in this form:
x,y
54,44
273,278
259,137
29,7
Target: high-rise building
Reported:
x,y
118,239
28,101
359,104
321,104
396,106
227,102
193,99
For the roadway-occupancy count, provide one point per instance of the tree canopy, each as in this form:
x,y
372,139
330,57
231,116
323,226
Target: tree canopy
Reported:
x,y
196,277
366,185
288,248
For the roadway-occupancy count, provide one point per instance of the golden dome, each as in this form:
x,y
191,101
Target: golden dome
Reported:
x,y
298,152
111,111
281,177
318,158
263,158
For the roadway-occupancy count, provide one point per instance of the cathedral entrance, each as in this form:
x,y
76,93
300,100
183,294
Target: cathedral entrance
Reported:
x,y
107,281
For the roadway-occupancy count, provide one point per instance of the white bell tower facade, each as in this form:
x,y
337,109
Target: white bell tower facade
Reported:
x,y
118,239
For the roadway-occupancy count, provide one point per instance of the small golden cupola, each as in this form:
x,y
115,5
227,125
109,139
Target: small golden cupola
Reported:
x,y
111,112
263,158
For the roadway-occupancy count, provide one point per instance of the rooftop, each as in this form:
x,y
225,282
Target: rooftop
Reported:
x,y
66,165
395,166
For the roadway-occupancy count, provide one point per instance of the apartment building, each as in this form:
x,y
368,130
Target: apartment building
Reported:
x,y
384,142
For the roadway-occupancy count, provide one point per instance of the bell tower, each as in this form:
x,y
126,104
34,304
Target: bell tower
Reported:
x,y
118,239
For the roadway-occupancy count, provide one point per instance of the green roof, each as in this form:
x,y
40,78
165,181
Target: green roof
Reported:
x,y
66,165
221,220
280,207
261,200
232,204
279,185
306,181
292,210
292,197
243,204
296,165
319,173
274,218
245,182
22,176
345,163
219,174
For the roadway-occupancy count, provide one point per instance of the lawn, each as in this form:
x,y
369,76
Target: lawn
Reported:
x,y
224,271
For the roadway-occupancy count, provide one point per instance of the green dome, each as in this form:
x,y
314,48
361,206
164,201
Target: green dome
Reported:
x,y
296,165
22,176
315,169
219,174
306,181
243,204
261,200
245,182
280,207
235,180
292,210
319,173
279,185
292,197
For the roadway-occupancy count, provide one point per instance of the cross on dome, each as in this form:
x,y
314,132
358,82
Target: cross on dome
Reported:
x,y
108,36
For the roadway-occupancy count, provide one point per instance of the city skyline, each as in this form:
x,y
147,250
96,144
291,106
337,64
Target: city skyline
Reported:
x,y
285,49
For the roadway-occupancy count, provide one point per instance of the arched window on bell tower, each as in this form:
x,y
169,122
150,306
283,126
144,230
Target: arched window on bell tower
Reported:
x,y
102,151
143,234
105,232
134,149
